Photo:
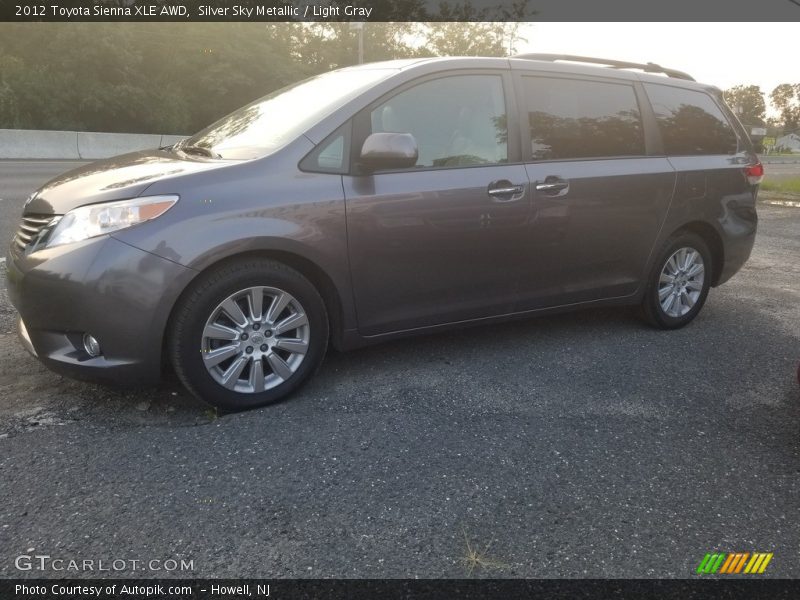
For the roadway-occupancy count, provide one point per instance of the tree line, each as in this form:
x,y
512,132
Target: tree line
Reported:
x,y
179,77
749,103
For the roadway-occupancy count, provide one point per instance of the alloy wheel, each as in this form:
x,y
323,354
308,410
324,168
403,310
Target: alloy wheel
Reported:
x,y
681,282
255,339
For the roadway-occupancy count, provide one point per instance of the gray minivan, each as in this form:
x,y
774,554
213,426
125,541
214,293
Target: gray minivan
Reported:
x,y
384,200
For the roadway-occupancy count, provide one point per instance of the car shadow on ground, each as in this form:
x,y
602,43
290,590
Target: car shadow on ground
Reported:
x,y
556,361
35,397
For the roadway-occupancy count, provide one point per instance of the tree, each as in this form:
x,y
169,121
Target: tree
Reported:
x,y
179,77
786,98
330,45
140,77
747,101
469,39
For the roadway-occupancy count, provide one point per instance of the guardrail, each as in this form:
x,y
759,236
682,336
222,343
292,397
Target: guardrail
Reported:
x,y
779,160
75,145
88,145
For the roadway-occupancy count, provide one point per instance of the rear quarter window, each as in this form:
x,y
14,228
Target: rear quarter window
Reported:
x,y
691,123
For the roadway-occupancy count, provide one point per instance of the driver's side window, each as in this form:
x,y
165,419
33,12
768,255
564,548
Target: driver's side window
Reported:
x,y
456,121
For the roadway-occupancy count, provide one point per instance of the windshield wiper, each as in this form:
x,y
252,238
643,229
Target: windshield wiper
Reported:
x,y
199,150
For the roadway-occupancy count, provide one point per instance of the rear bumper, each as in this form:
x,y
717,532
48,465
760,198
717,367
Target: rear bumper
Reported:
x,y
735,256
739,223
117,293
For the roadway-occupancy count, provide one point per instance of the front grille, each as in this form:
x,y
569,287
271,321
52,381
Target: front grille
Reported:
x,y
30,228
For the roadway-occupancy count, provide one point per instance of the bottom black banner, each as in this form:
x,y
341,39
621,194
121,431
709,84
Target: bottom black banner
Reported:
x,y
389,589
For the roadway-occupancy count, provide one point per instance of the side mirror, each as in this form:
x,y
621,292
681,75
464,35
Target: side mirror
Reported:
x,y
389,151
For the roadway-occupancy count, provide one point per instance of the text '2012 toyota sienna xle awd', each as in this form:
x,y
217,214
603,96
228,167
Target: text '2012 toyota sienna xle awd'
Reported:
x,y
382,200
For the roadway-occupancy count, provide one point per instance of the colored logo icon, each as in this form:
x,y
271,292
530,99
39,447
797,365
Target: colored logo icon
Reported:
x,y
734,563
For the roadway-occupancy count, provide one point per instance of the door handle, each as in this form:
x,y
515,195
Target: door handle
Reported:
x,y
505,191
553,186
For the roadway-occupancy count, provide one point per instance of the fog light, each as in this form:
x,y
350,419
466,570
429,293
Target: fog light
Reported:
x,y
91,345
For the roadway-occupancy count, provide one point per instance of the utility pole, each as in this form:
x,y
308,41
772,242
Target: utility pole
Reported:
x,y
359,27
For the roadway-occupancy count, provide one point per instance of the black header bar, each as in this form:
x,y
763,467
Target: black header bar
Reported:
x,y
400,10
399,589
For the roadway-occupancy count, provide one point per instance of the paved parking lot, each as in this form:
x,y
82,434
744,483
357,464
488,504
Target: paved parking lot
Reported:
x,y
582,445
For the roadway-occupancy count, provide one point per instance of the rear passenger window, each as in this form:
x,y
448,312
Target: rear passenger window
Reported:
x,y
570,118
690,122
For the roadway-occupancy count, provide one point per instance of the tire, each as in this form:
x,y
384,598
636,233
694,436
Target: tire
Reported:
x,y
679,259
234,355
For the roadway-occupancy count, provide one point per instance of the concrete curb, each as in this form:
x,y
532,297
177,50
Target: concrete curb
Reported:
x,y
779,160
75,145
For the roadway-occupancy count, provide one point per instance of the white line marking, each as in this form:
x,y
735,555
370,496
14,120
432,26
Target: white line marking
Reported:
x,y
791,203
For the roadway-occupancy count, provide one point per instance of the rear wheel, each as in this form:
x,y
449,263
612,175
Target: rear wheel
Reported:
x,y
679,282
247,334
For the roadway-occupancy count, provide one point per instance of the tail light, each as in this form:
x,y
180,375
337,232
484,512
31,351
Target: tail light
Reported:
x,y
754,173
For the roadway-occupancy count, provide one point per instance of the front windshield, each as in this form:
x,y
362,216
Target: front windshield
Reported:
x,y
274,120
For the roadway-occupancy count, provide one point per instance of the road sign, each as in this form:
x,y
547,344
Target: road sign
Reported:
x,y
758,131
768,142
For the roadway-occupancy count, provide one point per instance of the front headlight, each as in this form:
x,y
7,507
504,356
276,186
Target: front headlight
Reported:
x,y
98,219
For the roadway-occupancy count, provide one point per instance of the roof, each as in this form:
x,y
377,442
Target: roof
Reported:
x,y
650,72
649,67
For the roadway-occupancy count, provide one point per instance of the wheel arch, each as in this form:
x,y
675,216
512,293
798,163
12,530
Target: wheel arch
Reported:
x,y
318,277
712,239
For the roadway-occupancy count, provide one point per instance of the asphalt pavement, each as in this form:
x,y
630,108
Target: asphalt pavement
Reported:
x,y
782,171
578,445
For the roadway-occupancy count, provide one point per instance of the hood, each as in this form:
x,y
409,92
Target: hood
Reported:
x,y
117,178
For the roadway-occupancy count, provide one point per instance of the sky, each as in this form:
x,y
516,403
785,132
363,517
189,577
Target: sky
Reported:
x,y
720,54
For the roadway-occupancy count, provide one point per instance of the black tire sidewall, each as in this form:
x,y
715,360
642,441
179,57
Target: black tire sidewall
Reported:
x,y
192,315
653,306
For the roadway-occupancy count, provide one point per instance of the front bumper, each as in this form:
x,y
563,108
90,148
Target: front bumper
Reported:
x,y
22,331
119,294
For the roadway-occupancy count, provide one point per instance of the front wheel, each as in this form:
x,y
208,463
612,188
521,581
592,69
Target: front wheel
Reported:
x,y
247,334
679,282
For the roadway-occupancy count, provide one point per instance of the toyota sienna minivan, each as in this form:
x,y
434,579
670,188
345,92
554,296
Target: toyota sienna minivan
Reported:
x,y
385,200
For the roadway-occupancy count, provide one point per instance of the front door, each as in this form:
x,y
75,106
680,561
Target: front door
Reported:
x,y
442,241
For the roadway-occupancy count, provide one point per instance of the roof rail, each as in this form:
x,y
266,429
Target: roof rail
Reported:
x,y
614,64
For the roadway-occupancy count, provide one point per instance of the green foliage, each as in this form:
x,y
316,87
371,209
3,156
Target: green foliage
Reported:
x,y
786,98
787,186
747,101
467,39
179,77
